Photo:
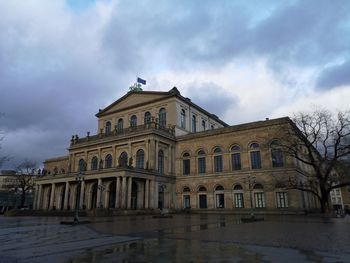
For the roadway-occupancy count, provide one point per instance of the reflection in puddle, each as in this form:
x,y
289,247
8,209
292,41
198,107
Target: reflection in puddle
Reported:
x,y
170,250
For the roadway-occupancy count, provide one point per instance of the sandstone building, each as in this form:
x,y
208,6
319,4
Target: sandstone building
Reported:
x,y
160,150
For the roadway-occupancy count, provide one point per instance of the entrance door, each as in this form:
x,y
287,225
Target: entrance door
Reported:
x,y
134,196
202,201
220,201
187,201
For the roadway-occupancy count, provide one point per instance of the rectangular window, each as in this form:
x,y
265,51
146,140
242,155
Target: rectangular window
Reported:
x,y
259,200
218,163
255,159
236,161
282,200
239,203
201,165
186,167
187,201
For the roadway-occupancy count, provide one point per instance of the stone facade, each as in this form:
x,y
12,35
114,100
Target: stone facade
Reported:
x,y
159,150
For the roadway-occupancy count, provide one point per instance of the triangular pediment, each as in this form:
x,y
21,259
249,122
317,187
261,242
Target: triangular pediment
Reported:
x,y
133,99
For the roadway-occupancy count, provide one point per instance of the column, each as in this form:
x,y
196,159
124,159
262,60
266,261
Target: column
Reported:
x,y
38,205
98,199
147,156
169,159
156,155
146,193
129,193
117,192
151,194
155,195
123,193
66,190
82,191
52,196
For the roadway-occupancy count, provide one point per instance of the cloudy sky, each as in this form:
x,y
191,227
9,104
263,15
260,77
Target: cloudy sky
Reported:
x,y
62,60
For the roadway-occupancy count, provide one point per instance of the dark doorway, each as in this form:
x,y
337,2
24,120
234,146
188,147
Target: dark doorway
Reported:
x,y
93,196
134,196
202,201
111,199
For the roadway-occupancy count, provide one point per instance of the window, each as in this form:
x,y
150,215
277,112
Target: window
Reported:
x,y
194,123
203,125
255,156
162,118
259,196
187,197
123,159
236,157
183,119
238,196
140,158
201,162
120,125
94,163
147,118
217,160
212,127
108,161
108,127
276,154
186,164
282,200
133,121
161,162
82,165
259,200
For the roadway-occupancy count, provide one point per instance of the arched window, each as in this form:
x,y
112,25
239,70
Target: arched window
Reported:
x,y
201,162
82,165
123,159
133,121
162,118
186,164
108,127
194,123
120,125
219,188
238,196
186,189
94,163
108,161
183,119
259,196
202,189
140,159
276,154
236,157
255,157
161,162
203,125
218,160
147,118
212,127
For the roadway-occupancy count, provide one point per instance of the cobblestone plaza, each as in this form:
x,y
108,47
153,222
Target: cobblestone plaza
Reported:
x,y
182,238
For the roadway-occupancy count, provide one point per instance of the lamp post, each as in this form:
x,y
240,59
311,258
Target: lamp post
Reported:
x,y
79,178
101,187
251,181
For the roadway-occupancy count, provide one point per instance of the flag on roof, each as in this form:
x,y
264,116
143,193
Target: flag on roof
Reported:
x,y
142,81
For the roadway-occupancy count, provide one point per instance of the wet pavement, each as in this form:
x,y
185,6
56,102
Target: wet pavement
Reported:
x,y
183,238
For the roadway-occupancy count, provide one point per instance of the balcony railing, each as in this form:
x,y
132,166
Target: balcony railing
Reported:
x,y
170,130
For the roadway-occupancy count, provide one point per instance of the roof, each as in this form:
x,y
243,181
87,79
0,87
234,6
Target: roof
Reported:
x,y
174,92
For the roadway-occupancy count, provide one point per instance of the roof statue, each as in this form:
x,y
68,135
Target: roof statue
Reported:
x,y
137,86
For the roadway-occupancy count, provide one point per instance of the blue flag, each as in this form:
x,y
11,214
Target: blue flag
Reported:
x,y
142,81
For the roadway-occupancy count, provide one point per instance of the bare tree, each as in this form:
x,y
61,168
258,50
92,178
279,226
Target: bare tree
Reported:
x,y
24,179
320,142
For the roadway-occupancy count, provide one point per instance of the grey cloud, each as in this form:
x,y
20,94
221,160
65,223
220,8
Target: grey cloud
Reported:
x,y
338,75
211,97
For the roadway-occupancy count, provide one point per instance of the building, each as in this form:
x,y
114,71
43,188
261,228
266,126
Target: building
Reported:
x,y
9,197
160,150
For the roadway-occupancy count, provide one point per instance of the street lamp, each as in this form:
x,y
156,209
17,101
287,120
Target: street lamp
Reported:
x,y
251,181
79,178
101,187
